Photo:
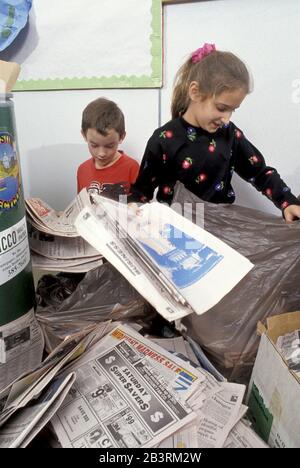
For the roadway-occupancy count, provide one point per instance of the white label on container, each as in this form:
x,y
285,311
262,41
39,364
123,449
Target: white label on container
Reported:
x,y
14,251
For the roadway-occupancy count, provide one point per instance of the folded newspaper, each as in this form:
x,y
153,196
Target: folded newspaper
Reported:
x,y
128,392
53,239
176,265
46,219
25,424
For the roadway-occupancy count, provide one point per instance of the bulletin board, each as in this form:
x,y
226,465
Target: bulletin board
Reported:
x,y
83,44
170,2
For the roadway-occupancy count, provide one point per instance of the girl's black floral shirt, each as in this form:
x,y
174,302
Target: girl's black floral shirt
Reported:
x,y
204,162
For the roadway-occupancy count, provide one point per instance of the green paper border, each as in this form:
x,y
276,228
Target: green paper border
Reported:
x,y
123,81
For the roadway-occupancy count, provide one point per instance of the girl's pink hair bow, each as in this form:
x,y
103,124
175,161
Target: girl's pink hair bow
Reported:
x,y
202,52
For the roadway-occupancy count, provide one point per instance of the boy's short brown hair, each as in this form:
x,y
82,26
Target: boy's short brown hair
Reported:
x,y
102,115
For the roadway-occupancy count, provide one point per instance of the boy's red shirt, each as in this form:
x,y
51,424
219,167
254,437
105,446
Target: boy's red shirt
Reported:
x,y
117,177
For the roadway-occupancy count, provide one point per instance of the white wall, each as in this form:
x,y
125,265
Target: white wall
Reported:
x,y
262,32
50,143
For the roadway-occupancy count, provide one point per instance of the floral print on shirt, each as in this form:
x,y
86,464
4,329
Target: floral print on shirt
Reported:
x,y
204,163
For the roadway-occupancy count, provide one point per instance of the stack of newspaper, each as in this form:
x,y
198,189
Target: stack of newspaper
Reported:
x,y
29,402
21,348
177,266
54,241
118,389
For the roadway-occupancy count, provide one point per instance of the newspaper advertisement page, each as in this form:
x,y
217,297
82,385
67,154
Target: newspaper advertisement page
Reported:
x,y
24,421
178,376
128,393
21,348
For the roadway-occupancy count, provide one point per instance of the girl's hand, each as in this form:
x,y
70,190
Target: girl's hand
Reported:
x,y
134,209
291,213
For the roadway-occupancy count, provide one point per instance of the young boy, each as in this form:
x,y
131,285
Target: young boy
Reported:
x,y
110,171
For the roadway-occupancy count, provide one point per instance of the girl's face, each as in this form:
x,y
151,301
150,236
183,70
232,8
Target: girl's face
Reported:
x,y
210,113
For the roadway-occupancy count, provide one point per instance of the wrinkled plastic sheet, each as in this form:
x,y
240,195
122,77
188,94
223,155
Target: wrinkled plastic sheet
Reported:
x,y
227,332
65,307
13,18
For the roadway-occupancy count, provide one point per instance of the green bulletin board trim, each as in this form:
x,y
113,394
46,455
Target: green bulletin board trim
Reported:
x,y
123,81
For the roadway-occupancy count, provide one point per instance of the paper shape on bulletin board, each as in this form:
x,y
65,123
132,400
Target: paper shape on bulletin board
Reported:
x,y
78,44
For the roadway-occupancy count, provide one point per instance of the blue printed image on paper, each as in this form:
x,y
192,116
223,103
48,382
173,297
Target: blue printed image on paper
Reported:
x,y
183,259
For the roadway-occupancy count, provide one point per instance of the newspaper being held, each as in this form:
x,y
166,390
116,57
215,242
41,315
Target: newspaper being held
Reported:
x,y
128,392
26,423
172,262
118,253
47,220
21,348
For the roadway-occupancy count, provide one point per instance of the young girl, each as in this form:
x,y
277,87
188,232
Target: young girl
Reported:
x,y
200,146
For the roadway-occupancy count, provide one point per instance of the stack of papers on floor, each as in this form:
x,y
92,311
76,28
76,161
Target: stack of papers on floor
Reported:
x,y
119,389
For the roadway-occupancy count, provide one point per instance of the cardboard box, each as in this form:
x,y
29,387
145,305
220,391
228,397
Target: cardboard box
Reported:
x,y
274,391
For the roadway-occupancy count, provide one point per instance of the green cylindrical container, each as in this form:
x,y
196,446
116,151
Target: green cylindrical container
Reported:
x,y
16,279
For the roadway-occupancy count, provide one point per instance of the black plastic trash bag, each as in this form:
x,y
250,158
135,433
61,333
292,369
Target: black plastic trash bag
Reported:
x,y
227,332
66,305
52,290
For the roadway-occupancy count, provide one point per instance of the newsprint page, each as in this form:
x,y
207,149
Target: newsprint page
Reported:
x,y
176,265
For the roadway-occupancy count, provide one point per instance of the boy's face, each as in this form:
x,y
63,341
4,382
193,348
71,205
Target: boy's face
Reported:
x,y
103,149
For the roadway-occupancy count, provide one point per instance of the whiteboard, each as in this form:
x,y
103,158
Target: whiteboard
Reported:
x,y
75,44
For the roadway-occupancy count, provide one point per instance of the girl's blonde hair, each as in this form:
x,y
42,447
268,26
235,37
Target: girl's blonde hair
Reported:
x,y
217,72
